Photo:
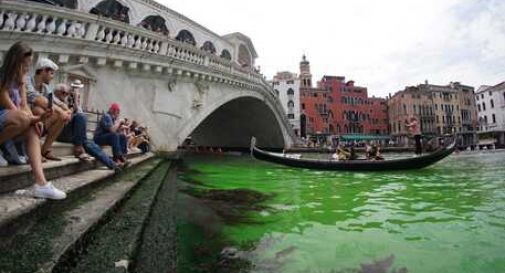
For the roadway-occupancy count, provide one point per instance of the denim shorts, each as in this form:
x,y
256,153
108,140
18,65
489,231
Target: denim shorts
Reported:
x,y
3,118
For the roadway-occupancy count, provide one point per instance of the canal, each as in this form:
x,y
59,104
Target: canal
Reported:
x,y
253,216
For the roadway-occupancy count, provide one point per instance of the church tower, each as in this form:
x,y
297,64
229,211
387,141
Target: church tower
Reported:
x,y
305,76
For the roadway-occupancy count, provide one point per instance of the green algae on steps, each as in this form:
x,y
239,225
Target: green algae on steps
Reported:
x,y
158,249
117,238
31,247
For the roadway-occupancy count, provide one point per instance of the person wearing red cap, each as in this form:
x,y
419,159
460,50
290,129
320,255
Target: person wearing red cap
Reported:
x,y
108,133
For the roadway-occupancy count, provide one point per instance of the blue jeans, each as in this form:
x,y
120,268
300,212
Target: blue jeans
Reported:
x,y
75,130
117,141
97,152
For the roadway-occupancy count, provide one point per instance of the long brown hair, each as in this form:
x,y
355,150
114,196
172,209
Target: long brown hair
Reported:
x,y
10,72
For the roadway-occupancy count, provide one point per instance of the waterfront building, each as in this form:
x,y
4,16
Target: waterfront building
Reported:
x,y
440,109
287,88
490,102
339,107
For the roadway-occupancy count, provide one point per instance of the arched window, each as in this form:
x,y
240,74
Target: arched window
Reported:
x,y
155,23
186,37
244,57
291,91
225,54
209,47
70,4
112,9
346,129
291,104
345,115
338,128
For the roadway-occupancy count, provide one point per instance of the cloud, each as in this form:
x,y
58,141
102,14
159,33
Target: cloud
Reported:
x,y
383,45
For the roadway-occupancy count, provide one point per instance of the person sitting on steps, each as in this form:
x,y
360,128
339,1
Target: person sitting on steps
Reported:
x,y
38,92
17,119
75,131
108,133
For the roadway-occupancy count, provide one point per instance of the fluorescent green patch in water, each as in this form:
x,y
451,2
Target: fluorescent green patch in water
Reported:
x,y
449,217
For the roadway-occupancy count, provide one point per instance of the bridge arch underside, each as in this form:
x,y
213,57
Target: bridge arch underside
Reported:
x,y
233,124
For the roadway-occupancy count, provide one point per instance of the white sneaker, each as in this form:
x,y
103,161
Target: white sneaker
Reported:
x,y
23,160
48,191
3,162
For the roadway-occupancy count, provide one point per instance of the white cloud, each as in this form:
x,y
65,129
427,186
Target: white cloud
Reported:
x,y
384,45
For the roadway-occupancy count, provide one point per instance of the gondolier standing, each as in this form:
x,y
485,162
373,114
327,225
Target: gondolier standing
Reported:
x,y
415,130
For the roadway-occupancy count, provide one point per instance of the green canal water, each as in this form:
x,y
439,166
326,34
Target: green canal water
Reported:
x,y
449,217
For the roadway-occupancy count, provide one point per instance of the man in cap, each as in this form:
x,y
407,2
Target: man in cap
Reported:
x,y
107,133
38,90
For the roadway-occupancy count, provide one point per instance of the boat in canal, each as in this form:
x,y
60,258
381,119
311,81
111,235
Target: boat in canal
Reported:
x,y
417,162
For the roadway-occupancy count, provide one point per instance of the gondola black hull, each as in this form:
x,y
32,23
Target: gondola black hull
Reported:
x,y
355,165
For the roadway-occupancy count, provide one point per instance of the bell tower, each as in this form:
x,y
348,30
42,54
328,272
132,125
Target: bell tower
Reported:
x,y
305,76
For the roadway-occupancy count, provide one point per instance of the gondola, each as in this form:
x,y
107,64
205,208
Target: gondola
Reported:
x,y
355,165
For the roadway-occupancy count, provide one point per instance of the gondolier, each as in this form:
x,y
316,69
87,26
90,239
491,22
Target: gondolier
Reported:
x,y
415,130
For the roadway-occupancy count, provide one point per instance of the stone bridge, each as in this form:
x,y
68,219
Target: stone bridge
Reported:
x,y
165,70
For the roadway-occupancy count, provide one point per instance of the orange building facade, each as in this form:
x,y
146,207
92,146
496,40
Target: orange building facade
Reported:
x,y
339,107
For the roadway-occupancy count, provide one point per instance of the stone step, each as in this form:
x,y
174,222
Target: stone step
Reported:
x,y
61,149
112,245
14,177
13,205
60,226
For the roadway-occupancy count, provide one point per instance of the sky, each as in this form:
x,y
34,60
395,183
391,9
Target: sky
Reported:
x,y
382,45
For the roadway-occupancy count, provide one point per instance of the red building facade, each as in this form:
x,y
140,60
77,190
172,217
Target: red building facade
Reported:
x,y
338,107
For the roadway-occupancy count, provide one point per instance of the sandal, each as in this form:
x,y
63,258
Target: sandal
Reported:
x,y
49,156
82,155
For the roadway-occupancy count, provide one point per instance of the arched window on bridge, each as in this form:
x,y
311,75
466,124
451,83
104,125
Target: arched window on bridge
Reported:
x,y
291,104
70,4
291,92
186,37
208,46
155,23
112,9
244,57
225,54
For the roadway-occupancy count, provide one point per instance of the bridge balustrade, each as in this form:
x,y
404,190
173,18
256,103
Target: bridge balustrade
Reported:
x,y
23,21
33,19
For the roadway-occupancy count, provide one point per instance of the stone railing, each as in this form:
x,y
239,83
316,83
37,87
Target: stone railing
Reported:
x,y
37,19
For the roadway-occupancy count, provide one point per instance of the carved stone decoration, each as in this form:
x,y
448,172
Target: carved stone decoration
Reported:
x,y
202,89
171,84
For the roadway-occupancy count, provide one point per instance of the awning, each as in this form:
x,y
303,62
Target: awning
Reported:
x,y
358,137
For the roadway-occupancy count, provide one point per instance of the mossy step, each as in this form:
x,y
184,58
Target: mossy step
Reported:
x,y
157,251
14,205
61,225
112,246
